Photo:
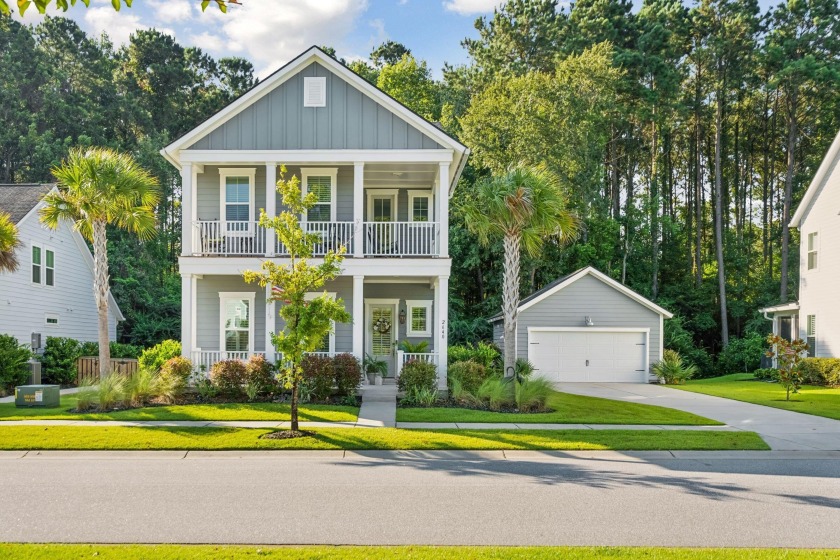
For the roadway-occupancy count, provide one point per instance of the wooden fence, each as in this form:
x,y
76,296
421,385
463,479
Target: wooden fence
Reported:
x,y
87,367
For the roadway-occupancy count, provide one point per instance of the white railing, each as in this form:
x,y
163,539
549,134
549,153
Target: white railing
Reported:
x,y
405,357
217,237
203,360
401,239
333,235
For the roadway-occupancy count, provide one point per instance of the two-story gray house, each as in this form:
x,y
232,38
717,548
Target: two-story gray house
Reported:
x,y
383,177
51,292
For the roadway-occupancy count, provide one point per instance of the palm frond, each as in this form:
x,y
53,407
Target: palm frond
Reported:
x,y
9,242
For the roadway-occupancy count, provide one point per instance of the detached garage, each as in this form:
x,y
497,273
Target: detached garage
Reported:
x,y
588,327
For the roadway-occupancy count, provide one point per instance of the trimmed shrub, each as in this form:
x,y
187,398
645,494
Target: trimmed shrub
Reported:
x,y
819,371
671,368
14,369
319,374
766,374
154,357
482,353
173,377
742,354
348,374
59,360
469,375
417,375
259,376
228,376
532,394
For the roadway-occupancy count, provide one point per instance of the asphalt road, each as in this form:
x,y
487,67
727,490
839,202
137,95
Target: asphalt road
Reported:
x,y
608,498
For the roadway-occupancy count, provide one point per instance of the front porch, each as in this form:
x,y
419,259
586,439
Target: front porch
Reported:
x,y
226,318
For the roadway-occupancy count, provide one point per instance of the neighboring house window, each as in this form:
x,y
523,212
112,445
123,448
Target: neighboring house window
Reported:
x,y
419,206
419,318
811,334
813,247
237,325
322,183
328,343
237,198
51,320
43,266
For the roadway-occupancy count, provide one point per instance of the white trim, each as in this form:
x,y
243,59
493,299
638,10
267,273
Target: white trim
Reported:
x,y
359,317
413,267
815,250
606,280
423,304
309,296
332,173
394,194
319,82
817,182
643,330
336,157
224,173
794,306
48,316
251,297
418,281
420,193
395,329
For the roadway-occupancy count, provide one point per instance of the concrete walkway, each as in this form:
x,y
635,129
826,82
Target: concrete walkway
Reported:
x,y
379,405
781,429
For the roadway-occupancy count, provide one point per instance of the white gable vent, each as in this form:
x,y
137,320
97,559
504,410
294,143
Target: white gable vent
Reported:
x,y
314,92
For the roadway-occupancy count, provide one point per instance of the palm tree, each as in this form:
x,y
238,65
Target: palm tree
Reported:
x,y
98,187
8,243
523,207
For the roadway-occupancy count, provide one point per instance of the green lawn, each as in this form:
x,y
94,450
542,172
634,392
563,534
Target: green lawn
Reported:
x,y
232,411
134,438
819,401
568,409
190,552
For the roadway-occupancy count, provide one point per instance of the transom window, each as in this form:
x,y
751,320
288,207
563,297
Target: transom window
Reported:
x,y
419,318
43,266
237,328
420,206
813,247
321,183
237,198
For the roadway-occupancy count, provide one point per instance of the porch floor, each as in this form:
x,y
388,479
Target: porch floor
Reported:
x,y
379,405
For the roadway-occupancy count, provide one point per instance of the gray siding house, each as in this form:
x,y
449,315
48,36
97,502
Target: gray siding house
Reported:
x,y
383,177
51,292
588,327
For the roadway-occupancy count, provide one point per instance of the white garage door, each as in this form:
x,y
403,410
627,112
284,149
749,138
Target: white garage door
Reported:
x,y
586,355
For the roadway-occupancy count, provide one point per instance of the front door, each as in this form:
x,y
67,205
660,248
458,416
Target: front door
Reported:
x,y
380,330
382,235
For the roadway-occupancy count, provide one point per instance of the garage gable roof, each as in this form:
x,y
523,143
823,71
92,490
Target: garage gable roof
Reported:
x,y
570,279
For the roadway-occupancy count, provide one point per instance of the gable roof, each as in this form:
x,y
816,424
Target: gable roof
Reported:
x,y
817,182
570,279
290,69
20,199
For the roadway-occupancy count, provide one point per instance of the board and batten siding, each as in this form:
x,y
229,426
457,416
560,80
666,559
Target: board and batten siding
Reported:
x,y
587,296
818,293
24,305
350,120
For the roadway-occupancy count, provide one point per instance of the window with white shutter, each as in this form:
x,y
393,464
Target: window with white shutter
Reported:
x,y
811,334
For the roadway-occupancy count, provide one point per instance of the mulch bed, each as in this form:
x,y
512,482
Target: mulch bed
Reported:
x,y
287,434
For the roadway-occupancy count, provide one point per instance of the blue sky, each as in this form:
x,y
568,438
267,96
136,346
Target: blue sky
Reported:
x,y
270,32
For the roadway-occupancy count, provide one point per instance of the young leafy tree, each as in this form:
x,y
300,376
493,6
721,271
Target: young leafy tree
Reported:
x,y
98,187
9,241
307,321
788,354
523,207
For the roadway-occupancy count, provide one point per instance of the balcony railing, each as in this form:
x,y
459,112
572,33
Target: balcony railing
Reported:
x,y
381,239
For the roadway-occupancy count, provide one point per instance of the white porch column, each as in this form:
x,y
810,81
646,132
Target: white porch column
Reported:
x,y
187,214
443,209
270,206
359,317
270,324
358,210
441,345
187,313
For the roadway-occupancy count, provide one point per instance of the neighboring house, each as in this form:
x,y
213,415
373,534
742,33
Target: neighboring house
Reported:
x,y
815,318
51,292
383,177
588,327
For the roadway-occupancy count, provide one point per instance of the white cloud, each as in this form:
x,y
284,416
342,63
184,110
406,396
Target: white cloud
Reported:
x,y
272,33
171,10
379,35
469,7
118,25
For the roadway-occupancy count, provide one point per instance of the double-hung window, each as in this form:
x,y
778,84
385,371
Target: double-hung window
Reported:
x,y
419,318
420,206
321,183
237,325
813,249
237,201
43,265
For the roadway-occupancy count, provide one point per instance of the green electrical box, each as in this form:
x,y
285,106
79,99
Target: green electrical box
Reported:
x,y
46,396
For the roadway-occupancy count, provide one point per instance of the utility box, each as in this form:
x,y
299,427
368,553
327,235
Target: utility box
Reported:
x,y
42,396
34,373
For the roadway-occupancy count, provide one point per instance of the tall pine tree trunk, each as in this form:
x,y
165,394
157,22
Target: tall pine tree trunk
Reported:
x,y
791,146
510,299
100,294
654,211
724,322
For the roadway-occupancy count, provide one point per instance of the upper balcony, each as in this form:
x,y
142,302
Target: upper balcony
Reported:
x,y
392,210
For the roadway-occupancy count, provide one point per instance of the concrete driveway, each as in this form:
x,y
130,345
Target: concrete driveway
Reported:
x,y
781,429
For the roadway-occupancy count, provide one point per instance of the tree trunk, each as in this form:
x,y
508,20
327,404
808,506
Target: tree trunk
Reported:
x,y
791,145
510,299
698,197
724,323
654,211
100,294
294,407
